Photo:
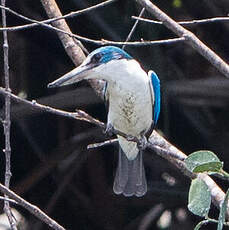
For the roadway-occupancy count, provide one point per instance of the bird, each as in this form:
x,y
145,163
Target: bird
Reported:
x,y
133,100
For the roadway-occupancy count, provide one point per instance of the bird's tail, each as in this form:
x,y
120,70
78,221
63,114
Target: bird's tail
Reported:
x,y
130,176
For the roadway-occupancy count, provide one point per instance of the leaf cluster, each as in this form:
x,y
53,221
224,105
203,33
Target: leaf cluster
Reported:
x,y
199,200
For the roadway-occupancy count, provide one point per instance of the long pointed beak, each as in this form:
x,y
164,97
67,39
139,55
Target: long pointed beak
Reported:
x,y
76,75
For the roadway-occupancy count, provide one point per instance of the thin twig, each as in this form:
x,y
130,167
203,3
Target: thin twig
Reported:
x,y
8,199
142,42
133,28
85,39
102,41
69,15
31,208
190,38
157,147
104,143
7,121
156,142
186,23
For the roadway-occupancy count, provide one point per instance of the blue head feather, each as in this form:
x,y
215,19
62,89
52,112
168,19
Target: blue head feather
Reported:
x,y
105,54
157,94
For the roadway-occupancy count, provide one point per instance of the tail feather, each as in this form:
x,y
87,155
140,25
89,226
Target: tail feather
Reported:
x,y
130,176
121,176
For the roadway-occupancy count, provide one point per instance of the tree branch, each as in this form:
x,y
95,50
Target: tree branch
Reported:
x,y
71,45
31,208
8,199
7,121
68,33
69,15
133,28
186,23
156,142
190,38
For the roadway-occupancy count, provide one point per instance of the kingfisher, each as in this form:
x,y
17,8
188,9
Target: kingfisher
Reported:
x,y
133,100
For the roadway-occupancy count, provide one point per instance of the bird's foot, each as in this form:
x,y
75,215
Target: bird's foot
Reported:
x,y
142,143
130,138
109,131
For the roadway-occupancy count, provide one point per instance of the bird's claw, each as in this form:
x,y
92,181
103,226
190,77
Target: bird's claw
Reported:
x,y
142,143
109,130
130,138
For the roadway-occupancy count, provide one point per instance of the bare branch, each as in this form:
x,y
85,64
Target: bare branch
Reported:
x,y
7,121
72,46
156,142
155,139
107,42
85,39
190,38
31,208
69,15
97,42
142,42
7,199
133,28
186,23
108,142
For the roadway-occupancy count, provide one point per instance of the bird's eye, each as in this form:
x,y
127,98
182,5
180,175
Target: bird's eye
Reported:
x,y
95,58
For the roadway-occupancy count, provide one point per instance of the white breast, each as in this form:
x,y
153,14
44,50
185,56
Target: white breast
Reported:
x,y
130,103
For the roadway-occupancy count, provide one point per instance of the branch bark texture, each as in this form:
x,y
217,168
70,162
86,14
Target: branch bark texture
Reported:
x,y
7,121
70,44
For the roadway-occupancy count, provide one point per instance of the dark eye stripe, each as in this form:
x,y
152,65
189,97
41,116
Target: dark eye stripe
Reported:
x,y
106,54
96,58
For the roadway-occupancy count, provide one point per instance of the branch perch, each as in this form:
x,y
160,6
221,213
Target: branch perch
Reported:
x,y
156,142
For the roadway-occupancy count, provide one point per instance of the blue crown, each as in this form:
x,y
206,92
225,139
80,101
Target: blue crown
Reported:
x,y
105,54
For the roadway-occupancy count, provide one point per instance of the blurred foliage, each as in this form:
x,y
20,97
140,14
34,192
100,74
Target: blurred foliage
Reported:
x,y
50,163
177,3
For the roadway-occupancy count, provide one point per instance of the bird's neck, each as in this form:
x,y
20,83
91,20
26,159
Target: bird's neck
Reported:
x,y
128,79
124,72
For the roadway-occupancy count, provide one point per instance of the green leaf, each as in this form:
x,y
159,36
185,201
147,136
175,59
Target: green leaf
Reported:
x,y
222,212
199,198
199,225
203,161
209,167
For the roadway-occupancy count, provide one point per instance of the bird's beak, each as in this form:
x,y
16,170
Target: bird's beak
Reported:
x,y
76,75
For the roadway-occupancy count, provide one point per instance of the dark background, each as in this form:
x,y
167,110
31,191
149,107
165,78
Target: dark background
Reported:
x,y
51,166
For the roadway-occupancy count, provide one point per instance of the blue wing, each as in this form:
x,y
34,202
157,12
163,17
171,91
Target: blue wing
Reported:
x,y
155,82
